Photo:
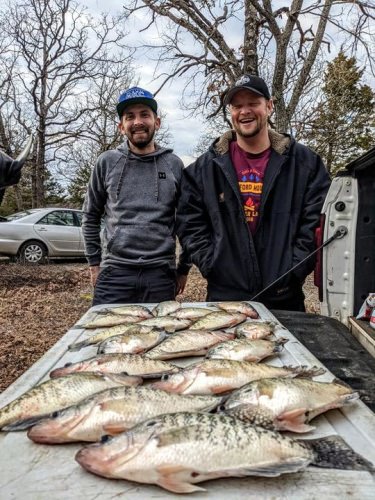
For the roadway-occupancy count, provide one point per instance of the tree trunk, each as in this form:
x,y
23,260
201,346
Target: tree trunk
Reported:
x,y
250,54
40,167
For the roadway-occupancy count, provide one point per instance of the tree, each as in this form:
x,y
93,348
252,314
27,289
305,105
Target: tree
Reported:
x,y
59,49
343,123
211,43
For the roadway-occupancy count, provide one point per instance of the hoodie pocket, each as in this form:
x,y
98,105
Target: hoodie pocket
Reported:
x,y
142,241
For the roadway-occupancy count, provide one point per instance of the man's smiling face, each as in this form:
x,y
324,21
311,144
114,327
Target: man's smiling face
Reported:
x,y
139,123
249,113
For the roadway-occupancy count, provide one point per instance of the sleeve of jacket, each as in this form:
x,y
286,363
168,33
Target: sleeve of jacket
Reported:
x,y
10,170
193,224
93,210
315,193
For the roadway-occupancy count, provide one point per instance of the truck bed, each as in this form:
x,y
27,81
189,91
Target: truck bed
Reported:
x,y
41,472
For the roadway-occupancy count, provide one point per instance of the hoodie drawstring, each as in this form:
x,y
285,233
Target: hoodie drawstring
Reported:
x,y
122,174
156,180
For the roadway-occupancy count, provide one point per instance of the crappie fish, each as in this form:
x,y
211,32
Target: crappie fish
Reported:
x,y
192,313
215,376
110,332
239,307
290,404
128,310
188,343
131,343
167,323
246,350
56,394
255,329
129,364
172,457
218,320
166,307
112,412
109,319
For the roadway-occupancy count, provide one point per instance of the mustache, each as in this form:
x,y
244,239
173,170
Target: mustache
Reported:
x,y
139,129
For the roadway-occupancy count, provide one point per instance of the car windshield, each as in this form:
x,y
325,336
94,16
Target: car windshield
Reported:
x,y
19,215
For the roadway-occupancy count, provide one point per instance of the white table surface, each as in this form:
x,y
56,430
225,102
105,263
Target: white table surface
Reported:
x,y
30,471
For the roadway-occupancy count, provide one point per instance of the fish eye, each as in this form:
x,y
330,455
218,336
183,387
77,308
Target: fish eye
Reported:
x,y
165,377
221,408
105,438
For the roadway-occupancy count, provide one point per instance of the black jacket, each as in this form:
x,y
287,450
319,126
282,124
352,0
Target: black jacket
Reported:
x,y
212,228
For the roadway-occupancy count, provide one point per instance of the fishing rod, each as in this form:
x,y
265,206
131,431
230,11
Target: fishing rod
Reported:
x,y
338,234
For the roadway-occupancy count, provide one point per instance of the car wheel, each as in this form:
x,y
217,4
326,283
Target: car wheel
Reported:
x,y
33,252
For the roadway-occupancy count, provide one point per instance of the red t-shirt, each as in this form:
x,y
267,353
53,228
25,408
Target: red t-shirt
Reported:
x,y
250,169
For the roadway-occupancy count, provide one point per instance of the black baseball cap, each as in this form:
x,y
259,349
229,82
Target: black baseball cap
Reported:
x,y
248,82
136,95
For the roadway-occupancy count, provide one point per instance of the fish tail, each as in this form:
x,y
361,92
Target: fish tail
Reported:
x,y
334,453
77,345
23,424
305,372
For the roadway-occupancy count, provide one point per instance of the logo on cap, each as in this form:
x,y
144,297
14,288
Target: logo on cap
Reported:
x,y
244,79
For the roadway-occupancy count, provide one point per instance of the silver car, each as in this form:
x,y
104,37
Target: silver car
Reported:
x,y
37,233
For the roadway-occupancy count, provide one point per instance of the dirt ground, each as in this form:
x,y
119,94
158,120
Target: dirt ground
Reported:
x,y
38,304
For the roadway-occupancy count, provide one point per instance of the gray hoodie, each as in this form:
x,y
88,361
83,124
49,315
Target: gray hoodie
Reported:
x,y
136,196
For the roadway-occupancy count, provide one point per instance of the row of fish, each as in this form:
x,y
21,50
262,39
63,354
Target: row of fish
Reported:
x,y
156,433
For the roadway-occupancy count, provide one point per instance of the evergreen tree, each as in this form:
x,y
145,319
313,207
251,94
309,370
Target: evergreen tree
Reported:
x,y
343,124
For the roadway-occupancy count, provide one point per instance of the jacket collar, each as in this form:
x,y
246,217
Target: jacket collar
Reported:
x,y
279,142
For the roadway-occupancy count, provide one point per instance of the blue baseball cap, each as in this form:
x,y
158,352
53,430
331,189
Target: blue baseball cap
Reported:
x,y
136,95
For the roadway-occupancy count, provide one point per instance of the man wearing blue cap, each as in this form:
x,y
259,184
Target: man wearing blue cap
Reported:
x,y
250,205
134,190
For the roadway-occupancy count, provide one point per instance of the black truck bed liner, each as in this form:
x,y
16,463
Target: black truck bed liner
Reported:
x,y
331,342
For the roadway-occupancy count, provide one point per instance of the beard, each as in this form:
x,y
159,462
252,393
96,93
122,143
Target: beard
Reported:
x,y
259,127
144,141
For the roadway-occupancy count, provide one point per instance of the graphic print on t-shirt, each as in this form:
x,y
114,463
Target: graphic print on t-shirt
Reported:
x,y
250,169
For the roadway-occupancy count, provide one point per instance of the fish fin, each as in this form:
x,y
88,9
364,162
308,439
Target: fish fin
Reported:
x,y
114,428
169,480
281,341
294,421
334,453
271,469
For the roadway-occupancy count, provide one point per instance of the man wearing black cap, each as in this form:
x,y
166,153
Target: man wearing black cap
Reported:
x,y
134,190
250,206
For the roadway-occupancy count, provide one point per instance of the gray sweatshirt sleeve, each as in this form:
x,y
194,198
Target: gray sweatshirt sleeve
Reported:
x,y
93,211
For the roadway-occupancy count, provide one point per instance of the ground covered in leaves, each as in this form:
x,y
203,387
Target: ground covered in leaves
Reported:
x,y
38,304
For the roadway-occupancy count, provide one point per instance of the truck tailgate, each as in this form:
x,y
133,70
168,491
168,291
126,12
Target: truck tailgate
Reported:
x,y
30,471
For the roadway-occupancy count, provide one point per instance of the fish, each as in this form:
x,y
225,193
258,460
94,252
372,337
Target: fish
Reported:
x,y
246,350
255,329
109,319
107,333
166,307
218,320
128,310
191,313
289,404
112,412
239,307
53,395
167,323
173,458
129,364
131,343
188,343
216,376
